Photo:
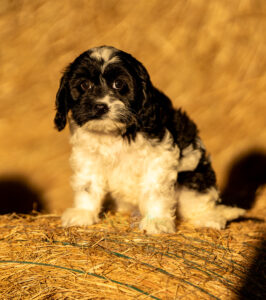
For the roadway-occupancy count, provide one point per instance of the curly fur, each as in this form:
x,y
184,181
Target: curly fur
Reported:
x,y
129,142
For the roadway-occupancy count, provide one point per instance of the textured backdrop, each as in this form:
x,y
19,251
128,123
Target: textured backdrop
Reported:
x,y
209,57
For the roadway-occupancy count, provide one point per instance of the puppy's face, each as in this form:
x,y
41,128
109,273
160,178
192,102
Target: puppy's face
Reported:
x,y
104,88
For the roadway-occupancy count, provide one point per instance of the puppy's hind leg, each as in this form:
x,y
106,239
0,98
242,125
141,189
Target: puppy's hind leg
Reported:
x,y
199,199
202,209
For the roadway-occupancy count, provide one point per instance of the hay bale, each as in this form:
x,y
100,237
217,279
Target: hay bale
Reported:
x,y
113,260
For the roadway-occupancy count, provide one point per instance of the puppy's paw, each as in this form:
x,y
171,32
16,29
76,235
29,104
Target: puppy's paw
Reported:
x,y
218,217
231,213
157,225
78,217
210,222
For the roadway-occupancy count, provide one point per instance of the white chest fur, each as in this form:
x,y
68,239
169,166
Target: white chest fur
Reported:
x,y
127,170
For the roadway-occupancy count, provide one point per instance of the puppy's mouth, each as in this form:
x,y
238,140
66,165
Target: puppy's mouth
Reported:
x,y
105,119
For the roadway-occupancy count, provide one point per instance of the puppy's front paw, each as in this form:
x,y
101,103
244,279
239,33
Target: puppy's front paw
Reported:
x,y
157,225
78,217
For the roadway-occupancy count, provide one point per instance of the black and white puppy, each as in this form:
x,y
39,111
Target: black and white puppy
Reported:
x,y
129,142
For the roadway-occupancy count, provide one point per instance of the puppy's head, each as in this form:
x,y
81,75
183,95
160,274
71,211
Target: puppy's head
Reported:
x,y
104,89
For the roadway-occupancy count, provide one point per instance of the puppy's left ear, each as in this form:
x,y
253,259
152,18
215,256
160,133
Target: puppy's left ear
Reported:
x,y
155,106
62,105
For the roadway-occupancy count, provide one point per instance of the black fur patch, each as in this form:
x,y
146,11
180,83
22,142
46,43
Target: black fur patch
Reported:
x,y
201,179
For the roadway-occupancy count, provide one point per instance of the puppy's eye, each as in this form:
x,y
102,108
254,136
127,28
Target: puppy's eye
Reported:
x,y
86,85
118,84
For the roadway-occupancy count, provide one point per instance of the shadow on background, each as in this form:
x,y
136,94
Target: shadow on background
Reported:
x,y
19,196
246,175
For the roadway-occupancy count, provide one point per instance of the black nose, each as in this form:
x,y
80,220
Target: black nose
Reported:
x,y
100,109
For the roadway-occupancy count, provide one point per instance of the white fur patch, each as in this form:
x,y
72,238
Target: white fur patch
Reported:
x,y
80,217
201,209
191,156
158,225
102,53
190,159
105,54
105,126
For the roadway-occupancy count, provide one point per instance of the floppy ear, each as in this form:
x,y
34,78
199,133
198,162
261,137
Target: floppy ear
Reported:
x,y
155,110
61,104
155,107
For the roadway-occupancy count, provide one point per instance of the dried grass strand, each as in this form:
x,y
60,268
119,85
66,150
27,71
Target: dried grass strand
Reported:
x,y
78,271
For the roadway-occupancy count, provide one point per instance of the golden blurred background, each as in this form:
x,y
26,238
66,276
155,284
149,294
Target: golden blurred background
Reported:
x,y
208,56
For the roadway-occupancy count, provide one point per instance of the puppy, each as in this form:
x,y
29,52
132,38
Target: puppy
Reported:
x,y
129,142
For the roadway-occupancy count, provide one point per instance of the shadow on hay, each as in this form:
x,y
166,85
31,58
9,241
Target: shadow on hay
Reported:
x,y
17,195
246,175
254,286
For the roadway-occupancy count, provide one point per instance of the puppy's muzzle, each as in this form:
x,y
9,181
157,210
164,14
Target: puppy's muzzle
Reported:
x,y
100,109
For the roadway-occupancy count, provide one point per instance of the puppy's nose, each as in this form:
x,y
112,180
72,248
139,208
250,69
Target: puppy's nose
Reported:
x,y
100,109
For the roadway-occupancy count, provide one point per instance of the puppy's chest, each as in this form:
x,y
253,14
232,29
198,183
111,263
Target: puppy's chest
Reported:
x,y
104,153
124,165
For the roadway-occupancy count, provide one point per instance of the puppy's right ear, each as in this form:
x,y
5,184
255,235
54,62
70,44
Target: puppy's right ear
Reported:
x,y
62,105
